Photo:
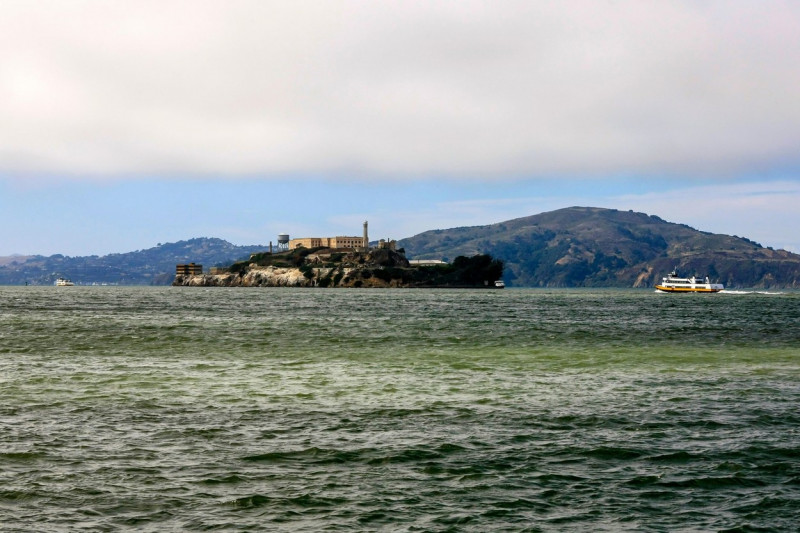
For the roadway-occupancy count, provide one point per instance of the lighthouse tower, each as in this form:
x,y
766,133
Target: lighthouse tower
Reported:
x,y
366,237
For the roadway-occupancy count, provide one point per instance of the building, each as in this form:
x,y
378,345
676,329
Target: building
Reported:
x,y
327,242
356,243
391,244
191,269
427,262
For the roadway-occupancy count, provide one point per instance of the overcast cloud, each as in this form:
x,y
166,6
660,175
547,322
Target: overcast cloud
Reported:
x,y
393,89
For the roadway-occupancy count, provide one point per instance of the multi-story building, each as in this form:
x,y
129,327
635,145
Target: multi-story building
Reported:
x,y
191,269
327,242
332,242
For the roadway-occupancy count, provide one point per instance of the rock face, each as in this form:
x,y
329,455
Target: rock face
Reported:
x,y
257,276
254,277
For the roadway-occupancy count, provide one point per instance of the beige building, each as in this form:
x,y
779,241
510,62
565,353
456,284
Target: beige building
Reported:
x,y
387,245
358,243
191,269
327,242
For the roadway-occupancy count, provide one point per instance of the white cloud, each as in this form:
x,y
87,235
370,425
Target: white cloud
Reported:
x,y
355,87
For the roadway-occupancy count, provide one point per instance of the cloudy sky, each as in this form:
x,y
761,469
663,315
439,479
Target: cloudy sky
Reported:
x,y
126,124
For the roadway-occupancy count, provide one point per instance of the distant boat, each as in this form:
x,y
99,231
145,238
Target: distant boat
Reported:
x,y
499,284
673,283
64,282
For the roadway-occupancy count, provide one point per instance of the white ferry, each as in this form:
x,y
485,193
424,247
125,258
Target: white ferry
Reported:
x,y
672,283
64,282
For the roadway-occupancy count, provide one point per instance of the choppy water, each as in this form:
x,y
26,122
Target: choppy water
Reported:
x,y
166,409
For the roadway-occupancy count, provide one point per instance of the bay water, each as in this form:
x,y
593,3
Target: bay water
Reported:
x,y
214,409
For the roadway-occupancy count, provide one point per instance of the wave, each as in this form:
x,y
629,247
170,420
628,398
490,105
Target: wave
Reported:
x,y
305,500
737,292
711,482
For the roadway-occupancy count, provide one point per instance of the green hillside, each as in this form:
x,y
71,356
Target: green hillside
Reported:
x,y
595,247
153,266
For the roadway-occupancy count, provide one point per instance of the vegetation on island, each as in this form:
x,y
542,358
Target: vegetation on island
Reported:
x,y
324,267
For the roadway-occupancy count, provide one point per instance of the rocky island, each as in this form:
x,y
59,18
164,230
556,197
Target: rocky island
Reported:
x,y
327,267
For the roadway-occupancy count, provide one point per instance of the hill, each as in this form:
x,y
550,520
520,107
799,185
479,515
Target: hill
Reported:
x,y
153,266
595,247
571,247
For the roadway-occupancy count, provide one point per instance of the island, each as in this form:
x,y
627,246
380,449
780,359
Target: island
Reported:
x,y
351,268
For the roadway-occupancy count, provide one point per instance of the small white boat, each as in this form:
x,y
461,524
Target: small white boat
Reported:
x,y
499,284
673,283
64,282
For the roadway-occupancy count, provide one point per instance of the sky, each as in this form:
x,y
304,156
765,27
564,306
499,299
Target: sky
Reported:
x,y
128,124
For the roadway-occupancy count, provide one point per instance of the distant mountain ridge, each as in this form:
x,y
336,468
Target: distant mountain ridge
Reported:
x,y
571,247
153,266
597,247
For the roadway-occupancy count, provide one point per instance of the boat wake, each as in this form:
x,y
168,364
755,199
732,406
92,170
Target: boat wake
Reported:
x,y
727,291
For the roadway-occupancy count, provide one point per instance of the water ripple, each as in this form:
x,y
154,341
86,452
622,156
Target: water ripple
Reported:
x,y
161,409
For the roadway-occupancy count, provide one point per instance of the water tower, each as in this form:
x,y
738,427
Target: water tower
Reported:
x,y
283,242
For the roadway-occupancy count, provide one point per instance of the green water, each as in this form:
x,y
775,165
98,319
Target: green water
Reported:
x,y
398,410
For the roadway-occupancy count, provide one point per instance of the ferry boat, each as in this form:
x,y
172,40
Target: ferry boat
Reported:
x,y
673,283
64,282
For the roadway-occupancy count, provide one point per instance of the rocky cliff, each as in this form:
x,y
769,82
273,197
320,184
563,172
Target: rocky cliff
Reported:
x,y
255,277
270,276
337,268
